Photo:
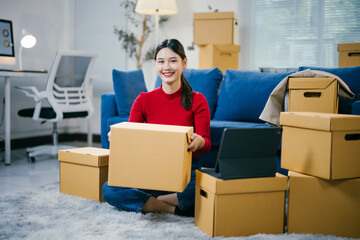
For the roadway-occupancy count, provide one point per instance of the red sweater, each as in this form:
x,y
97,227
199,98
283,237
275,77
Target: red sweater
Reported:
x,y
157,107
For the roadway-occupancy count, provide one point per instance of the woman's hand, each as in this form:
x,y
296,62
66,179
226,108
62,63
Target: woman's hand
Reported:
x,y
109,135
197,142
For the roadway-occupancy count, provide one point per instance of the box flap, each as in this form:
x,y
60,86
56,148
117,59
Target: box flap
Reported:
x,y
349,47
152,127
296,174
321,121
310,83
215,15
227,47
89,156
244,185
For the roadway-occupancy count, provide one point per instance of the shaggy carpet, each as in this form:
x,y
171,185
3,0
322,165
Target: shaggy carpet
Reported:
x,y
45,213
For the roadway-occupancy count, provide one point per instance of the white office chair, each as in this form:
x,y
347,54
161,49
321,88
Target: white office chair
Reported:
x,y
67,94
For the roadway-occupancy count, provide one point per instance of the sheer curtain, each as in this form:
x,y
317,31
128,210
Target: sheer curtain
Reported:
x,y
290,33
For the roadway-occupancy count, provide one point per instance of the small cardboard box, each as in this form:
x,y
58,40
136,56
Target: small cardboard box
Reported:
x,y
318,206
320,144
216,28
239,207
313,95
223,56
349,54
150,156
83,171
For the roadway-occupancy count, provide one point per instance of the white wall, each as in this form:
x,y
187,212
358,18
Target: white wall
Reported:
x,y
94,31
88,25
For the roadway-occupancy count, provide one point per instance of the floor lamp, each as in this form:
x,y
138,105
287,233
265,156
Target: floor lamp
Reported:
x,y
157,8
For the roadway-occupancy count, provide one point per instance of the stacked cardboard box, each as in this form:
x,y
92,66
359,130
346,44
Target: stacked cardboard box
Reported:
x,y
217,35
313,95
349,54
323,152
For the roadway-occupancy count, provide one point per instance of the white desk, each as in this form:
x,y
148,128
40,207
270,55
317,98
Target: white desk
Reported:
x,y
8,75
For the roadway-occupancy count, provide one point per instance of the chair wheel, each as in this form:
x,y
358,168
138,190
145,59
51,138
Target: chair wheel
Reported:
x,y
31,159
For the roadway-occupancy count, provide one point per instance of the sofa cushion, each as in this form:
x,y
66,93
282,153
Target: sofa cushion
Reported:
x,y
108,109
115,120
243,94
127,86
356,108
351,76
110,121
205,81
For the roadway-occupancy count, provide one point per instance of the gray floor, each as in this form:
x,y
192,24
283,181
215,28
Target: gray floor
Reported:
x,y
22,175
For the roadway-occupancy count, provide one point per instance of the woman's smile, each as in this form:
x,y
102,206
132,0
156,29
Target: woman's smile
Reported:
x,y
168,74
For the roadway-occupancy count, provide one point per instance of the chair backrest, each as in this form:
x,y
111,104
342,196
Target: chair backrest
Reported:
x,y
68,82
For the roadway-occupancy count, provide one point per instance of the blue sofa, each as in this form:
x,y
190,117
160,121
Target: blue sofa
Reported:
x,y
235,99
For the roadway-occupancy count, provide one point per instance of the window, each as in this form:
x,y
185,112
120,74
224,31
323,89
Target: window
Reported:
x,y
290,33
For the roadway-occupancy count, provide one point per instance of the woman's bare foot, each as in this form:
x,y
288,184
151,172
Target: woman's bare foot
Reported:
x,y
169,199
156,205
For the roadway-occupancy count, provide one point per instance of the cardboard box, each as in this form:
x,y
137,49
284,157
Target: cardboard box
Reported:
x,y
83,171
223,56
239,207
216,28
349,54
150,156
313,95
319,206
320,144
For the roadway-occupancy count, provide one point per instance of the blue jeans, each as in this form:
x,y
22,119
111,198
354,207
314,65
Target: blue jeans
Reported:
x,y
133,199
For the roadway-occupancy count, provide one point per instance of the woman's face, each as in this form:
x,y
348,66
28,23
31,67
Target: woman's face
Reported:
x,y
169,66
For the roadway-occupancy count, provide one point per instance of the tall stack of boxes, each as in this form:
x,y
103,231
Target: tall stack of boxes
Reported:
x,y
322,152
217,35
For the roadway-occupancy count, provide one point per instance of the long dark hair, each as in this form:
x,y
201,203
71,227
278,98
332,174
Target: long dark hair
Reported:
x,y
177,47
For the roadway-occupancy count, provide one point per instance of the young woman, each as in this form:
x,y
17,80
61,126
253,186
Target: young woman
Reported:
x,y
174,103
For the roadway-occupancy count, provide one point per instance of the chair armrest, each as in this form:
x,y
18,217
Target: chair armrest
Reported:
x,y
356,108
32,92
38,97
108,110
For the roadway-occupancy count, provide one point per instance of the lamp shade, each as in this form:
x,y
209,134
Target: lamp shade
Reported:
x,y
156,7
28,41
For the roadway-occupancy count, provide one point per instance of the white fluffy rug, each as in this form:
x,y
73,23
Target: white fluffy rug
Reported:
x,y
47,214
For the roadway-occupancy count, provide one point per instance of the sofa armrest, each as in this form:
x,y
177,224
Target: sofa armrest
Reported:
x,y
108,110
356,108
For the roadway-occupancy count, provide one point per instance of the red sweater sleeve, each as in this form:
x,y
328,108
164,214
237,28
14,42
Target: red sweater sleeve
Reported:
x,y
202,121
